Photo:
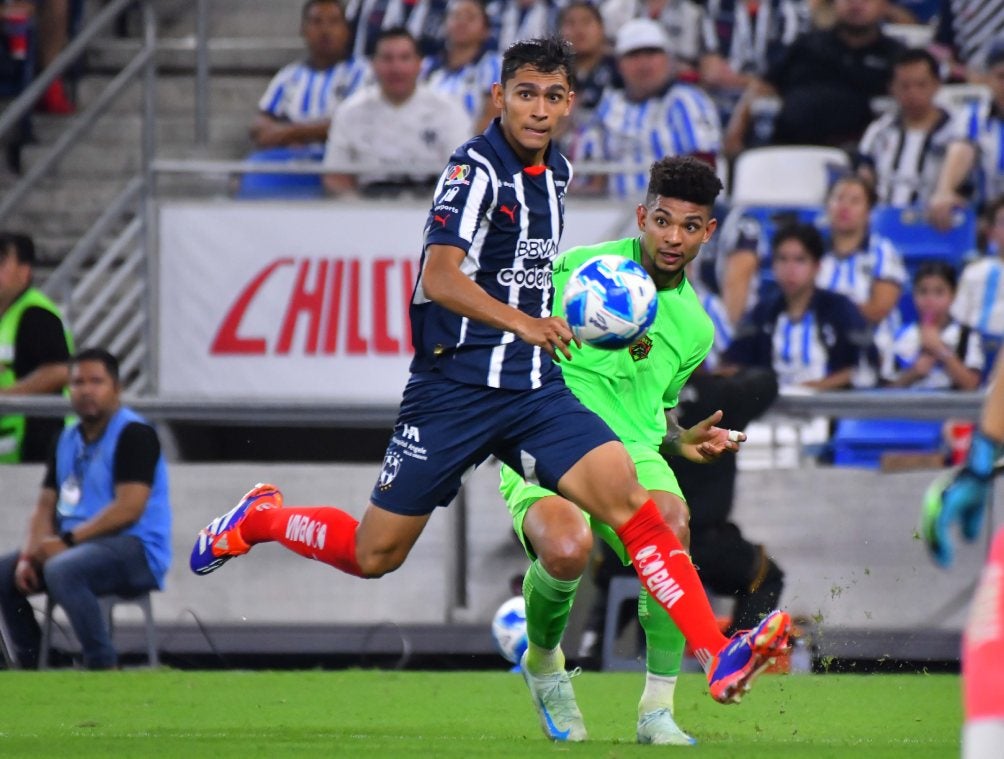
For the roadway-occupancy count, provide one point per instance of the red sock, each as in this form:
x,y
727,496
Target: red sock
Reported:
x,y
983,641
323,533
668,574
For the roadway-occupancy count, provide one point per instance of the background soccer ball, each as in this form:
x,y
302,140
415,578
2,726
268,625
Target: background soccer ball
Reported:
x,y
509,629
609,302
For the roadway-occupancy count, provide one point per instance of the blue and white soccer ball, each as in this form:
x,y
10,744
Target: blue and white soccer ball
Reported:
x,y
509,629
609,302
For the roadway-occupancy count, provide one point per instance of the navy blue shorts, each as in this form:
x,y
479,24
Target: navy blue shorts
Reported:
x,y
446,428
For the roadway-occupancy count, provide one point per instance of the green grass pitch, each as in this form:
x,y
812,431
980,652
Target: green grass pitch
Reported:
x,y
370,713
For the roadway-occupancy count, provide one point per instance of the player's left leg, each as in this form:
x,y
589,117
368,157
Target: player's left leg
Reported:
x,y
983,661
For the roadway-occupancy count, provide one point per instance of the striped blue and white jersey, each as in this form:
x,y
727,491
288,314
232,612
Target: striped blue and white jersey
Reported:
x,y
424,20
830,336
853,275
469,85
512,20
983,126
905,351
299,93
906,162
979,300
681,121
508,220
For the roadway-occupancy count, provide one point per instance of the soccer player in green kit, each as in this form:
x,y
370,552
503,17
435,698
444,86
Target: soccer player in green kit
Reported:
x,y
631,389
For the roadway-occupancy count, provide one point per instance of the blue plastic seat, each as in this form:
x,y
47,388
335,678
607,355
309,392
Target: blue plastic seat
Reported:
x,y
861,442
254,186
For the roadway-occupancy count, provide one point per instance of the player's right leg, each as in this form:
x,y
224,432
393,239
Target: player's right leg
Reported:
x,y
983,661
557,540
603,482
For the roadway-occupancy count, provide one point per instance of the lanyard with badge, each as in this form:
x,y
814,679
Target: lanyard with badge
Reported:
x,y
72,488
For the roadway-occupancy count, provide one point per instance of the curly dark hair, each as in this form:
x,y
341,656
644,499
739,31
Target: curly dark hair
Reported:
x,y
545,54
684,178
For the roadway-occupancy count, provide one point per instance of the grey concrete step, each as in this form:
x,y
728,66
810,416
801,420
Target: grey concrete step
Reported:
x,y
244,55
125,130
176,94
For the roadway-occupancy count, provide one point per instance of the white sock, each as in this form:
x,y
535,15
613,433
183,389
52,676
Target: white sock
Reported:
x,y
544,661
982,738
658,693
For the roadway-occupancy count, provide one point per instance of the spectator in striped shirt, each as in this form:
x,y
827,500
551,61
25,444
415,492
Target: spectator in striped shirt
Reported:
x,y
902,151
424,20
809,336
652,117
965,34
979,303
514,20
934,352
683,21
865,267
978,156
296,108
582,25
465,70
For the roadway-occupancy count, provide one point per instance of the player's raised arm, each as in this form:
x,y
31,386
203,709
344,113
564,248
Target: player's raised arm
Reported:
x,y
444,283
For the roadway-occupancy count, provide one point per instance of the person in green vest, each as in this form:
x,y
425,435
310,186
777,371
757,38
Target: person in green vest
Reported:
x,y
34,349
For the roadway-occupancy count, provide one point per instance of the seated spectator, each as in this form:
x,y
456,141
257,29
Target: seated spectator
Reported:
x,y
826,80
102,521
34,347
465,69
424,20
977,153
865,267
581,24
683,21
652,117
810,337
935,352
296,109
966,30
294,113
979,302
513,20
395,123
743,38
902,151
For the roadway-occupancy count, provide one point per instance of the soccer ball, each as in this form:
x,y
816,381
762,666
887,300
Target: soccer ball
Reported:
x,y
509,629
609,302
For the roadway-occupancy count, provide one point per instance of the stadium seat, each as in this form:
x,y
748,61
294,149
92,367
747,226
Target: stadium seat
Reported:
x,y
796,175
108,604
622,590
282,186
911,35
954,96
918,241
861,442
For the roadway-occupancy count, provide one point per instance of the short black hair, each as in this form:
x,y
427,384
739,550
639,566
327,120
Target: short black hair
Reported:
x,y
21,244
545,54
912,55
311,3
393,33
98,354
803,233
585,5
941,269
684,178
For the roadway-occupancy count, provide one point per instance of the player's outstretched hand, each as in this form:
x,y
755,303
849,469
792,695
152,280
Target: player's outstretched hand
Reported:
x,y
705,442
550,333
958,497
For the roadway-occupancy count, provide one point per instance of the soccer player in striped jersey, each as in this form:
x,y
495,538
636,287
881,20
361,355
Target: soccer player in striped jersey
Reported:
x,y
465,69
297,106
902,151
484,381
959,499
978,154
652,117
632,390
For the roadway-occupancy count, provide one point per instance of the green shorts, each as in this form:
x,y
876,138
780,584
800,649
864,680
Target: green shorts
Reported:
x,y
653,474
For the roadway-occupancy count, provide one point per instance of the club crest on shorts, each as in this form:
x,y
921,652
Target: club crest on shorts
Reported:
x,y
388,472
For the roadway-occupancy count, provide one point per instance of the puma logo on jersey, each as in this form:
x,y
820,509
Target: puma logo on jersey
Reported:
x,y
441,219
510,212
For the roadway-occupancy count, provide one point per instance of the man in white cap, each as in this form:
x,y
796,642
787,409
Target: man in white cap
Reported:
x,y
652,116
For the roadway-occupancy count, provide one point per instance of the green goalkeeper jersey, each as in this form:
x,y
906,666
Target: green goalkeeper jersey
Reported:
x,y
631,388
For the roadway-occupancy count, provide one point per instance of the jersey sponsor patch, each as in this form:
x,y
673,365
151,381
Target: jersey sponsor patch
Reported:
x,y
640,350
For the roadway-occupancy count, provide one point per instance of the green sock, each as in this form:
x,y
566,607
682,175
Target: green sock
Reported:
x,y
548,605
664,642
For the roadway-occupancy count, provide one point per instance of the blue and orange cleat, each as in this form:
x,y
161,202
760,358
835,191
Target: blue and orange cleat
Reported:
x,y
221,539
746,655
